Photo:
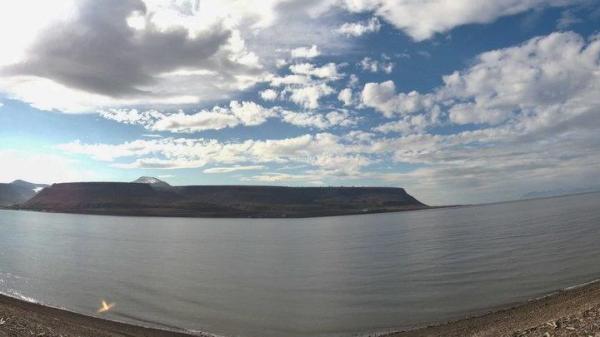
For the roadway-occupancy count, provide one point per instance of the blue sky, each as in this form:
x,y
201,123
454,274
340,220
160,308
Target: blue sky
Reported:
x,y
457,101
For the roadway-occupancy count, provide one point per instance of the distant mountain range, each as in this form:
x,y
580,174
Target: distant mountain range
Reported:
x,y
559,192
148,196
18,192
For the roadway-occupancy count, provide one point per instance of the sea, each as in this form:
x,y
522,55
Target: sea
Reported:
x,y
332,276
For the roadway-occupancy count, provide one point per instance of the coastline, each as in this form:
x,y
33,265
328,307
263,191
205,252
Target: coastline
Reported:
x,y
152,214
572,311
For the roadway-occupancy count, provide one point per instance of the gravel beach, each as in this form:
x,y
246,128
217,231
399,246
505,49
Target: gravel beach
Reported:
x,y
19,318
573,312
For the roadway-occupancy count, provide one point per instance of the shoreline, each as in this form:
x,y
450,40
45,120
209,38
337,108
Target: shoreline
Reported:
x,y
225,216
565,308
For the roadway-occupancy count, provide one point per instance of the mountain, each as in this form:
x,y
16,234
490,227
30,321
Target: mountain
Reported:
x,y
18,192
145,199
154,182
559,192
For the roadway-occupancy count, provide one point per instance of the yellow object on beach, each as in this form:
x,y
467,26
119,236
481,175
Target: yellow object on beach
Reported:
x,y
104,307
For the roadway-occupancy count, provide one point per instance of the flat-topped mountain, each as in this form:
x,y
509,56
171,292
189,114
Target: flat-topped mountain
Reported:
x,y
18,192
147,197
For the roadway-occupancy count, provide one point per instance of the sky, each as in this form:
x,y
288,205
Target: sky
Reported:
x,y
461,101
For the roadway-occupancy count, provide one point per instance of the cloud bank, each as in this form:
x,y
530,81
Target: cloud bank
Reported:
x,y
534,105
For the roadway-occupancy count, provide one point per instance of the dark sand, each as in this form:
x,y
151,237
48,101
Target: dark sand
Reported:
x,y
574,312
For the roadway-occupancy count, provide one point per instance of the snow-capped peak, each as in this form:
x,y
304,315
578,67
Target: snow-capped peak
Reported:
x,y
147,180
151,181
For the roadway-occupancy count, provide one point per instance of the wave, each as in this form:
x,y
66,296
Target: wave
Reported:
x,y
17,295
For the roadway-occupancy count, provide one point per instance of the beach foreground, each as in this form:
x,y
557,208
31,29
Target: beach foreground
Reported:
x,y
20,318
573,312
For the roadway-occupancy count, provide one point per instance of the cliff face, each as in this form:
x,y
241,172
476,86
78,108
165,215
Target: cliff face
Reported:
x,y
219,201
275,195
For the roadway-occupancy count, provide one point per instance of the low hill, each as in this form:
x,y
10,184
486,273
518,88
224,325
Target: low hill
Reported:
x,y
218,201
18,192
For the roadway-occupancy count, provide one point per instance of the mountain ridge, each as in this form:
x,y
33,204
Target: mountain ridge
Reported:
x,y
157,198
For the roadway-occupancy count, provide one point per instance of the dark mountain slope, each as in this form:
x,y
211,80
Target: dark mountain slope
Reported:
x,y
17,192
219,201
103,195
276,195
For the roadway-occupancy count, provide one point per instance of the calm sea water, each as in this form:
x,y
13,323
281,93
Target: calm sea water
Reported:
x,y
302,277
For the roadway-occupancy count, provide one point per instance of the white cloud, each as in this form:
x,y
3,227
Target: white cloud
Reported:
x,y
328,71
269,95
375,66
319,121
345,96
360,28
208,120
535,103
383,97
412,124
309,96
113,56
280,63
132,116
171,153
307,83
250,113
234,168
305,52
216,47
423,19
286,178
380,96
238,113
470,113
278,81
538,102
55,72
342,165
541,82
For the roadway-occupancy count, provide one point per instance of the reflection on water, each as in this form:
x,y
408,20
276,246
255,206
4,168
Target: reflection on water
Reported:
x,y
302,277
